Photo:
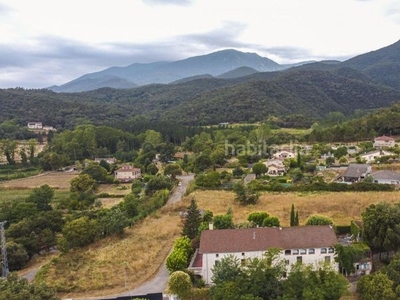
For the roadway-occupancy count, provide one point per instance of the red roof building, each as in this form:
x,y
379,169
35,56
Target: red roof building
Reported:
x,y
307,244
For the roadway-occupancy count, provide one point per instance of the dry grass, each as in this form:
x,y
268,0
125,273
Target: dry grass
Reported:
x,y
104,267
341,207
56,180
112,189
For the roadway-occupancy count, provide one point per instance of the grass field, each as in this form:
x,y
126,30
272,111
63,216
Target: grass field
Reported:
x,y
341,207
56,180
59,181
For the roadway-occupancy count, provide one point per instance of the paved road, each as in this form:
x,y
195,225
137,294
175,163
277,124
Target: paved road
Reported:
x,y
159,282
179,191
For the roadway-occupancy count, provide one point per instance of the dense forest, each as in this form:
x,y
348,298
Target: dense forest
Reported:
x,y
310,93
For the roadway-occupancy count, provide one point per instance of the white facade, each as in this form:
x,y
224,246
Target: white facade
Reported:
x,y
311,256
386,177
127,174
275,167
35,125
384,141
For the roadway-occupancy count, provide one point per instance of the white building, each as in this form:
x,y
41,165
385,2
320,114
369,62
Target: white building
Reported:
x,y
372,156
283,154
35,125
384,141
127,173
386,177
109,160
306,244
275,167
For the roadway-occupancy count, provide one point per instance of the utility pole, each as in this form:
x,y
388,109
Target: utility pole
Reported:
x,y
4,249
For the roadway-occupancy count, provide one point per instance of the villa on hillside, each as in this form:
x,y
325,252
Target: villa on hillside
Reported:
x,y
275,167
355,173
306,244
384,141
127,173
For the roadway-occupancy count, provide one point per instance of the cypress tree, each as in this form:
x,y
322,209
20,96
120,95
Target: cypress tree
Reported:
x,y
292,216
296,218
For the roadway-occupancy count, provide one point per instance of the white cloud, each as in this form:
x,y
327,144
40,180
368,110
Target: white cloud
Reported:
x,y
65,39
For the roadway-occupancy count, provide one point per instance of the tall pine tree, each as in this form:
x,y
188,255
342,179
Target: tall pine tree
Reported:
x,y
192,221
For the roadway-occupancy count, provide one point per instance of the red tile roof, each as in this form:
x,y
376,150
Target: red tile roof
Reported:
x,y
198,261
261,239
384,138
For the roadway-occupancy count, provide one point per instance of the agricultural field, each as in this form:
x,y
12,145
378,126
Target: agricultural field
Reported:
x,y
56,180
59,181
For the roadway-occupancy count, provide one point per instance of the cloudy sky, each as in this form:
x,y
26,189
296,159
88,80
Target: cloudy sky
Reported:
x,y
47,42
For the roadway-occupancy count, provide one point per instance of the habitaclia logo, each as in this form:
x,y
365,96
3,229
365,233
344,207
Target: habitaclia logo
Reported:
x,y
260,148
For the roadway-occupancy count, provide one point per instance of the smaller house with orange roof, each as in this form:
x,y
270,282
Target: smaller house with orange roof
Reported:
x,y
127,173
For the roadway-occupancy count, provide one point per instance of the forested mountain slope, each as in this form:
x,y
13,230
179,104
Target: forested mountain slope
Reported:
x,y
313,93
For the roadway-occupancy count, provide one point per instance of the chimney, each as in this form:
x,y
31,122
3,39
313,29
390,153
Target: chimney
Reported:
x,y
210,226
254,235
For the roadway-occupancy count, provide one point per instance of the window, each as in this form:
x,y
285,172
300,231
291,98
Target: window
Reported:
x,y
331,250
284,275
311,251
323,250
303,251
287,262
242,253
216,263
299,259
217,255
243,262
288,252
327,259
295,251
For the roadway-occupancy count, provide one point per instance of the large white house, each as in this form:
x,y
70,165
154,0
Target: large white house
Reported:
x,y
127,173
275,167
384,141
307,244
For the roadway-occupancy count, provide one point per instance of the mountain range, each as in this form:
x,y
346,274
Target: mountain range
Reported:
x,y
223,64
240,94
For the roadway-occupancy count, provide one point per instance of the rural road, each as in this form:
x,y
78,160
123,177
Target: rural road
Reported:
x,y
179,191
159,282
